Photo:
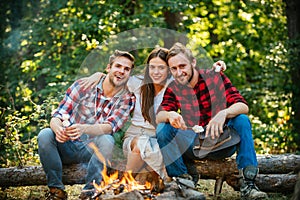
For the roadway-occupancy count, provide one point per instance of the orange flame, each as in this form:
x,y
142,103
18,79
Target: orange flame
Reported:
x,y
112,181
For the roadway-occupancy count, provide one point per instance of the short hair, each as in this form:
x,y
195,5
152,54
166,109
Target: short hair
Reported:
x,y
119,53
178,48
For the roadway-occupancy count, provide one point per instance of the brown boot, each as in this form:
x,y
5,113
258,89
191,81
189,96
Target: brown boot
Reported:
x,y
56,194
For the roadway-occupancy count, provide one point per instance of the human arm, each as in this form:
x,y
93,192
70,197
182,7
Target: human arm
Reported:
x,y
227,103
174,118
91,81
58,129
167,111
215,126
76,130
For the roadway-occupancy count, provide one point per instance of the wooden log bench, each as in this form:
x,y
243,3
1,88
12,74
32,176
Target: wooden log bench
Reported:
x,y
278,173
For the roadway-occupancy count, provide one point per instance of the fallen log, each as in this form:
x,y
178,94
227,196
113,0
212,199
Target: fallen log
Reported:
x,y
283,183
271,164
278,173
35,175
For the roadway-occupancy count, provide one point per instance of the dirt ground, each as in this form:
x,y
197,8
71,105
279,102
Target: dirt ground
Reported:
x,y
206,186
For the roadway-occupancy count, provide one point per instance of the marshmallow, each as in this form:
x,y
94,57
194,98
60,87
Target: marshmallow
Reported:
x,y
198,129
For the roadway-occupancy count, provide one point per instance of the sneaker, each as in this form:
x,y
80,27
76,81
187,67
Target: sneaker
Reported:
x,y
186,180
250,191
56,194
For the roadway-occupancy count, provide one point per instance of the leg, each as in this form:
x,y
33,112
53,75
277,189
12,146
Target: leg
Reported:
x,y
246,158
105,145
54,154
173,144
245,153
134,160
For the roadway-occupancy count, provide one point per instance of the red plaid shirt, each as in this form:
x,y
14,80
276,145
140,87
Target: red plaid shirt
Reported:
x,y
212,93
90,106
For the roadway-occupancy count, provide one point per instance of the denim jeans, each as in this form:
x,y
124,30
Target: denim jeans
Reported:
x,y
53,155
177,144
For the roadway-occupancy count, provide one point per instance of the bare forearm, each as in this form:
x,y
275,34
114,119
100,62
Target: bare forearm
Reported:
x,y
55,122
96,129
162,116
236,109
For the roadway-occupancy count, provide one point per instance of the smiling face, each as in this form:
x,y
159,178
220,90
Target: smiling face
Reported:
x,y
119,71
181,68
158,70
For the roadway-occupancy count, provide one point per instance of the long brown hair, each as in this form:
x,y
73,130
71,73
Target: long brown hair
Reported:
x,y
147,89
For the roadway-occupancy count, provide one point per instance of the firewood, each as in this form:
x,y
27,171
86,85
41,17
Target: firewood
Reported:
x,y
278,173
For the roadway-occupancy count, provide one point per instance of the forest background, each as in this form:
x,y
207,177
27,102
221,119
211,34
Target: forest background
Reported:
x,y
44,46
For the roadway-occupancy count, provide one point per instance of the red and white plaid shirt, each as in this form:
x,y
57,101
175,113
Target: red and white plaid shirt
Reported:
x,y
90,106
212,93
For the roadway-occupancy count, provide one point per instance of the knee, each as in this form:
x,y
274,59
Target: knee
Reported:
x,y
242,121
162,130
134,147
104,141
45,137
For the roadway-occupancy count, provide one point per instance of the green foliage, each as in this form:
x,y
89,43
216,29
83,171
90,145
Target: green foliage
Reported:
x,y
18,136
49,44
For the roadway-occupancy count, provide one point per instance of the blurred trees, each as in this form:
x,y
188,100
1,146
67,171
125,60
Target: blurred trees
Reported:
x,y
44,46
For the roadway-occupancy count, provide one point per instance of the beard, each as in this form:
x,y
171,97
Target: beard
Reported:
x,y
184,79
114,81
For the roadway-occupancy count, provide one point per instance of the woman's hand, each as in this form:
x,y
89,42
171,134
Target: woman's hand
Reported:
x,y
91,81
219,66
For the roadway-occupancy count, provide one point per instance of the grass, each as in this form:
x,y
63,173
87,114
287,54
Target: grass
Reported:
x,y
206,186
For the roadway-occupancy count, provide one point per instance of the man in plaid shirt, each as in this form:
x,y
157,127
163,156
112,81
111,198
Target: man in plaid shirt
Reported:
x,y
208,99
87,115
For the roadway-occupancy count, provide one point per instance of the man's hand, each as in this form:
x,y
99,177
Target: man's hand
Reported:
x,y
215,126
176,120
60,134
75,131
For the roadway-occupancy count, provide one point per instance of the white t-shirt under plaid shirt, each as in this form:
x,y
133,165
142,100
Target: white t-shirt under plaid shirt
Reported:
x,y
90,106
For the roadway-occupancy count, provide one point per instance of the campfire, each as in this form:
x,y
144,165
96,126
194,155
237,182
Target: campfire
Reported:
x,y
114,187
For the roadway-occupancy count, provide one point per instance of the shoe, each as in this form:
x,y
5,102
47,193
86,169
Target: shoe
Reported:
x,y
86,196
56,194
186,176
186,180
250,191
248,188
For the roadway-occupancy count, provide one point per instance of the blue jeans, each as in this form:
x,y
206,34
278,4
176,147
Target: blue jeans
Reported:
x,y
53,155
176,144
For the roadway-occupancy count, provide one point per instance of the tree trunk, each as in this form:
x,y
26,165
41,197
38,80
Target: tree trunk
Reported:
x,y
293,24
278,173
